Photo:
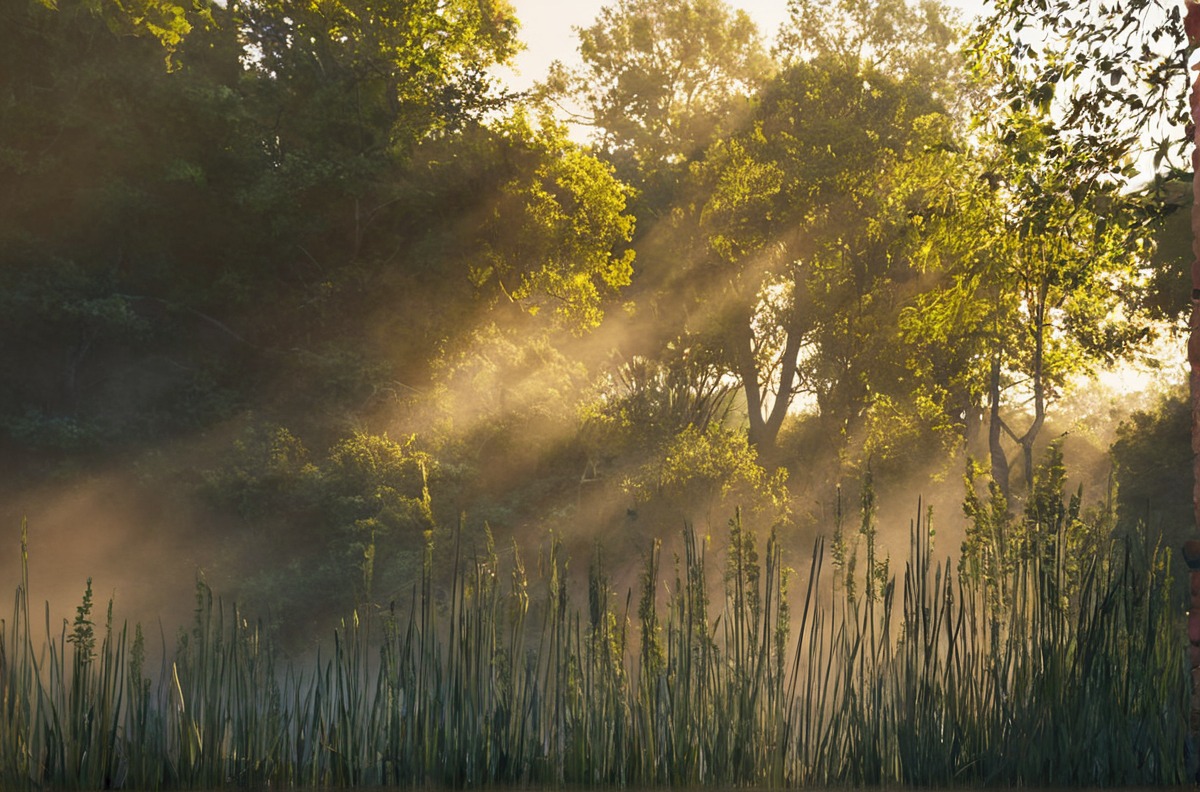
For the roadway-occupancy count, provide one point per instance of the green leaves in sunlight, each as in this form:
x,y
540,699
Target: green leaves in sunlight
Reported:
x,y
1112,75
706,472
557,235
166,22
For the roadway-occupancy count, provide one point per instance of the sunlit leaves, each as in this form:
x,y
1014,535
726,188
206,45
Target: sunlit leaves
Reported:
x,y
914,41
803,213
701,469
1042,287
652,400
555,236
741,203
1110,77
167,22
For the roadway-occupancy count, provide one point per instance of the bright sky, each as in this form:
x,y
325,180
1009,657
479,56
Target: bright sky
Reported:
x,y
546,27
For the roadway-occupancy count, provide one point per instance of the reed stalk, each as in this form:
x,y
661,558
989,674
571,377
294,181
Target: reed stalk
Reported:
x,y
1025,667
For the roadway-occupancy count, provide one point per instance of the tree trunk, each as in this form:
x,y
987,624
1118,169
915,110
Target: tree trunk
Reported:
x,y
1000,473
787,378
748,373
1039,388
764,429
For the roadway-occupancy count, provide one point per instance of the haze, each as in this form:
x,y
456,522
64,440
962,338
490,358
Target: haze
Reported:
x,y
288,322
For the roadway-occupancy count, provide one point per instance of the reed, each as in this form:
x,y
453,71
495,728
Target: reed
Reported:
x,y
1019,668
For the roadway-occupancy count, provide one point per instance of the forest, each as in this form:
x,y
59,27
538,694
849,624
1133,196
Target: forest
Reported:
x,y
298,290
731,407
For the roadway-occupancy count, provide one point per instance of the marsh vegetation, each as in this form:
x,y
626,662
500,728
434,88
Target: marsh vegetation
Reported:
x,y
1050,654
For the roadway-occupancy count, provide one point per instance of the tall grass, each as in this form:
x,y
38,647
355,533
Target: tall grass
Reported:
x,y
1034,671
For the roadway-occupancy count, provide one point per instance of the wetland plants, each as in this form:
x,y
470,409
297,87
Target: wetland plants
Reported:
x,y
1048,655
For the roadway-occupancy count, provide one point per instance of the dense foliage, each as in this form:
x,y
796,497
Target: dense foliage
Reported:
x,y
311,269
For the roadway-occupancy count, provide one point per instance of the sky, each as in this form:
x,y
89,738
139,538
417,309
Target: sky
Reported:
x,y
546,28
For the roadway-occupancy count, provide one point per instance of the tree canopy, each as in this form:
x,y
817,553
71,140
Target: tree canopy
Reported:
x,y
314,270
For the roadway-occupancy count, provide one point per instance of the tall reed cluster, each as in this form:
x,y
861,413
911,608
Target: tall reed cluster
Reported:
x,y
1039,672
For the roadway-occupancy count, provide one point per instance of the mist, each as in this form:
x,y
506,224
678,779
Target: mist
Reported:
x,y
329,330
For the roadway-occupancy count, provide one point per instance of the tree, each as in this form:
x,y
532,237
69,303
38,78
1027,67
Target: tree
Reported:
x,y
1075,266
775,250
1151,461
1115,74
343,92
1086,87
305,213
911,41
112,161
374,76
799,237
1046,284
555,233
660,80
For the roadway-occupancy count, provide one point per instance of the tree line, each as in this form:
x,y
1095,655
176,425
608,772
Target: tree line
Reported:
x,y
372,291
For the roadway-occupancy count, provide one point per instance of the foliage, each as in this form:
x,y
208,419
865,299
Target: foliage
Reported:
x,y
1150,464
355,518
1049,286
1052,529
703,471
274,222
566,216
1115,76
1076,91
685,388
797,222
506,394
317,259
357,77
914,41
265,472
661,80
377,496
1169,225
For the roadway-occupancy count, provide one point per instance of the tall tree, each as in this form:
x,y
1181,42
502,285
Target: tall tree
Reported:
x,y
917,41
660,80
1095,85
800,210
1051,290
536,221
344,90
799,235
177,236
113,158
